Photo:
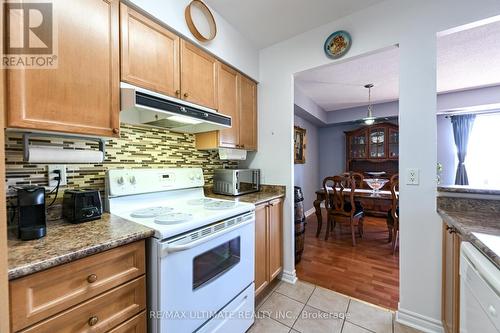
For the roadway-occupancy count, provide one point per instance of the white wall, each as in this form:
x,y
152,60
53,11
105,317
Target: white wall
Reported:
x,y
229,45
412,24
307,175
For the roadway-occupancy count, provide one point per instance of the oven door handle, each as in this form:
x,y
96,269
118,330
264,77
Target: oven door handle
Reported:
x,y
166,248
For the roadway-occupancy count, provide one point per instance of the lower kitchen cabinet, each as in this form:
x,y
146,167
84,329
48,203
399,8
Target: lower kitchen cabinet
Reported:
x,y
268,243
99,293
450,310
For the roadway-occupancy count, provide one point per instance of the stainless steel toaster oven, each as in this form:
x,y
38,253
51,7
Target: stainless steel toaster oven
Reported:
x,y
236,181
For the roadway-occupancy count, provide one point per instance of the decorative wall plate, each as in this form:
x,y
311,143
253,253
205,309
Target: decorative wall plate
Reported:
x,y
200,21
337,44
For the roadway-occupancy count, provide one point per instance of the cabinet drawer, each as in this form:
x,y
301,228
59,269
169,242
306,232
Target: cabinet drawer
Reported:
x,y
99,314
136,324
41,295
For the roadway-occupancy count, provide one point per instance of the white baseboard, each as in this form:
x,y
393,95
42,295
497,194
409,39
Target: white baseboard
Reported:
x,y
290,277
310,212
418,321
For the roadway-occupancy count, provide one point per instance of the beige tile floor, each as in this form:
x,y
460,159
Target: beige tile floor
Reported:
x,y
307,308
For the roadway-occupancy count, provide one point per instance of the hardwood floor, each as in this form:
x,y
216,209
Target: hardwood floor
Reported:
x,y
368,271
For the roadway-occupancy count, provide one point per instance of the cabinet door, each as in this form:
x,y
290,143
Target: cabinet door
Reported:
x,y
198,76
248,114
261,248
275,237
450,311
81,95
228,105
393,143
150,53
447,288
457,239
377,138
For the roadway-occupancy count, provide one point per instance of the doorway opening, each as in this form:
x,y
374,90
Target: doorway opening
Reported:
x,y
346,125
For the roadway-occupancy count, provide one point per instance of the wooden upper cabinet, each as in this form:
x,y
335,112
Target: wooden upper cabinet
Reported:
x,y
81,95
149,53
243,133
228,105
248,114
199,76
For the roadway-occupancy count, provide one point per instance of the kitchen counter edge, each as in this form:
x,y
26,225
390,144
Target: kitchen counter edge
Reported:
x,y
67,242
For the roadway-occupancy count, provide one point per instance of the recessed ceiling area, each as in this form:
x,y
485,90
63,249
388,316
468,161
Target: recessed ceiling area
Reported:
x,y
266,22
465,60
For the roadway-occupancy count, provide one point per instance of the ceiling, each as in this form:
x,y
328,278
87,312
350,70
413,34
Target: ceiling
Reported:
x,y
467,59
266,22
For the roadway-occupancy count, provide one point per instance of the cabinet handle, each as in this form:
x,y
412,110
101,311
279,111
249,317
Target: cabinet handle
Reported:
x,y
93,320
116,130
177,92
186,94
91,278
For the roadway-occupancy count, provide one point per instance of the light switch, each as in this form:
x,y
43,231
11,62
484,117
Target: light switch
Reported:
x,y
412,176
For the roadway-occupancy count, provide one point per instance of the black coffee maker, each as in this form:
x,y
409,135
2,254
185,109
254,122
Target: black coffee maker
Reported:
x,y
31,206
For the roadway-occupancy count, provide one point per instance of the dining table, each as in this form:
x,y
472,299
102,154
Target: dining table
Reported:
x,y
374,204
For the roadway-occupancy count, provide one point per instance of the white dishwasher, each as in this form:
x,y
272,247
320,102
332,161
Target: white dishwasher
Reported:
x,y
479,292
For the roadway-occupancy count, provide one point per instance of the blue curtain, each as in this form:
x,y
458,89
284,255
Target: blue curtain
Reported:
x,y
462,127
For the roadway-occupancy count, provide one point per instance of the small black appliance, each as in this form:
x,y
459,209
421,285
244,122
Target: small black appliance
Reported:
x,y
81,205
32,216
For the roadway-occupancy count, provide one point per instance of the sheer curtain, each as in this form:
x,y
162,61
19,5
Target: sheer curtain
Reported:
x,y
483,157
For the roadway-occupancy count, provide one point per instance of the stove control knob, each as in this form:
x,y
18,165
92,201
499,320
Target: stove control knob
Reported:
x,y
120,180
132,180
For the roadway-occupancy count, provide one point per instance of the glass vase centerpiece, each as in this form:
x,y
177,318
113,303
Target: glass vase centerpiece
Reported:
x,y
376,183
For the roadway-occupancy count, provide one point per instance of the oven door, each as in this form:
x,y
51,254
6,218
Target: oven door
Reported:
x,y
197,278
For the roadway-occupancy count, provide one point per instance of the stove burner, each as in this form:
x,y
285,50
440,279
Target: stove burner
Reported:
x,y
219,205
199,202
173,218
150,212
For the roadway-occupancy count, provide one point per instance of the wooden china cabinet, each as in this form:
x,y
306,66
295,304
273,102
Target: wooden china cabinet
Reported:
x,y
373,148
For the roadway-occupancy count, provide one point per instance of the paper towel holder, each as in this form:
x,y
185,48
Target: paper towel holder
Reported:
x,y
27,136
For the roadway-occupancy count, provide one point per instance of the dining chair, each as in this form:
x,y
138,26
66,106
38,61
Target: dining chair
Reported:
x,y
358,178
340,210
393,213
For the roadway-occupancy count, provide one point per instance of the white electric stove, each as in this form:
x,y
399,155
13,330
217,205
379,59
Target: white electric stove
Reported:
x,y
201,259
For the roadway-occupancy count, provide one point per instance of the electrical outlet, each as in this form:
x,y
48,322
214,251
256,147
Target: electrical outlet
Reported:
x,y
52,175
412,176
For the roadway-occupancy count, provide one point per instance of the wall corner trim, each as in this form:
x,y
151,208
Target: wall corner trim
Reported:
x,y
418,321
290,277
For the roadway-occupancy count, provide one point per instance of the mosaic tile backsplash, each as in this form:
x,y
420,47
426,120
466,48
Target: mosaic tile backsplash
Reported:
x,y
138,147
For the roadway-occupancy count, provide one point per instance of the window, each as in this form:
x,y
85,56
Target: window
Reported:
x,y
483,152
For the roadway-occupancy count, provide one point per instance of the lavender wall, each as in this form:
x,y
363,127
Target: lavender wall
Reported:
x,y
446,151
332,149
307,175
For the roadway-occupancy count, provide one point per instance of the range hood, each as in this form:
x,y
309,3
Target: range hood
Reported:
x,y
144,107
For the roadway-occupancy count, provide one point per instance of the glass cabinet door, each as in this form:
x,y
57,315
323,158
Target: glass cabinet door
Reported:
x,y
377,143
358,146
393,143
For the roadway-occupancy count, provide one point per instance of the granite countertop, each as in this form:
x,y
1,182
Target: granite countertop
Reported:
x,y
266,193
66,242
468,189
469,216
